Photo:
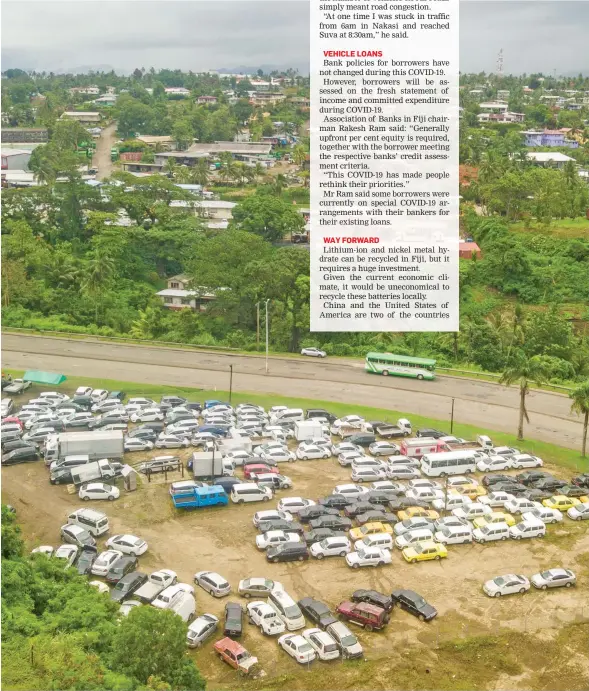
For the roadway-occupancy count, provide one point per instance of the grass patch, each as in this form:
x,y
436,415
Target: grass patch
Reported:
x,y
564,228
551,453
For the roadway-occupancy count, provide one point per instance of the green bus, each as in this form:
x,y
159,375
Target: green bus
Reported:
x,y
400,365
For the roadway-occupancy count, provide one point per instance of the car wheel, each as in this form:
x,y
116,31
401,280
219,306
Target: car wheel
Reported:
x,y
368,627
568,585
421,617
111,498
497,594
544,587
266,499
579,518
86,498
355,566
420,376
275,561
518,537
413,561
240,501
319,556
504,537
522,590
385,373
305,458
342,554
326,455
437,557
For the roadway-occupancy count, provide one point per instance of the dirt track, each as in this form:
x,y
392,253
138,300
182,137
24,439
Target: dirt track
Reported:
x,y
486,405
102,161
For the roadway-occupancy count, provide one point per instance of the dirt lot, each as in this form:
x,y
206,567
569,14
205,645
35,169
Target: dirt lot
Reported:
x,y
538,640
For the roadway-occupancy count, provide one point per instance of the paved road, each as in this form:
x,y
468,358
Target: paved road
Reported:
x,y
486,405
101,160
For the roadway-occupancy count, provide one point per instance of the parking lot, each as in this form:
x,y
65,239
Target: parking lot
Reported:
x,y
222,539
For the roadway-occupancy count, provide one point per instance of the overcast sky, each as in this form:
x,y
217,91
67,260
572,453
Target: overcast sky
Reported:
x,y
198,35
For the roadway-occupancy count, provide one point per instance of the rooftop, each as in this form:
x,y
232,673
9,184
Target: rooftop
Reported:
x,y
545,156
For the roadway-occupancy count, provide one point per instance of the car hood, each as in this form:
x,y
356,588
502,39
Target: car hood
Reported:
x,y
248,663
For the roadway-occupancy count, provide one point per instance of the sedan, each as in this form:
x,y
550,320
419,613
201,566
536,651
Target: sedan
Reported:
x,y
79,420
104,561
257,587
127,584
121,568
313,536
171,441
294,505
160,464
201,629
86,559
506,585
494,463
496,499
98,490
372,515
367,474
317,612
213,583
68,553
413,603
346,458
360,507
137,444
336,501
373,597
369,556
308,451
297,647
22,455
580,512
233,620
279,456
147,415
553,578
313,352
337,449
265,616
127,544
384,448
331,547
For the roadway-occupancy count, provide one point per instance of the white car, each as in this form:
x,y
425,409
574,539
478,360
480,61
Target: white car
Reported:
x,y
424,494
491,463
100,586
402,472
313,352
521,505
249,406
506,585
47,550
346,458
297,647
66,552
137,444
394,461
350,490
343,446
127,544
104,561
543,514
213,583
369,556
271,515
263,615
183,428
294,504
384,448
127,606
83,391
64,413
307,451
473,510
368,462
98,395
331,547
147,415
202,627
275,537
322,643
387,486
579,512
453,501
528,528
241,456
171,441
107,405
553,578
496,499
98,490
367,474
459,481
524,460
140,401
279,456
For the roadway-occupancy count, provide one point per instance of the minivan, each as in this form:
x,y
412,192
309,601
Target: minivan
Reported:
x,y
454,535
68,462
287,609
412,537
382,540
249,491
491,531
289,414
95,522
185,607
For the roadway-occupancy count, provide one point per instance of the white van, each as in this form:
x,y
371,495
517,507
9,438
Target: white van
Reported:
x,y
412,537
228,467
454,535
490,532
382,540
185,607
485,441
95,522
531,527
249,491
287,609
170,596
289,414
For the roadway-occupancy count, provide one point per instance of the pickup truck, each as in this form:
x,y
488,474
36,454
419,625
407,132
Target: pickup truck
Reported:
x,y
401,429
156,582
17,386
197,497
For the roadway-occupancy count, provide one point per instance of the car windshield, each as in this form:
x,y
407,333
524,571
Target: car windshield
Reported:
x,y
349,640
305,648
546,574
499,581
292,611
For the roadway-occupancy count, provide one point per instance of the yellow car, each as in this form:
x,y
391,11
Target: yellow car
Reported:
x,y
584,499
369,529
424,551
472,490
561,503
495,517
417,512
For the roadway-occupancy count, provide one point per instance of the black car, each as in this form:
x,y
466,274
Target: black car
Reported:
x,y
118,395
373,597
112,418
515,488
310,413
414,604
121,567
373,516
233,620
127,585
61,476
313,536
363,439
11,435
492,480
581,480
87,557
143,433
193,405
430,433
529,477
226,482
22,455
317,612
311,512
69,405
536,494
375,496
168,402
334,522
359,507
336,501
572,491
84,402
280,524
156,426
288,551
401,503
550,484
18,444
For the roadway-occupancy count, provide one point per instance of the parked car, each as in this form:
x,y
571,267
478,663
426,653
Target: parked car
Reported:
x,y
373,597
506,585
413,603
233,626
384,448
213,583
137,444
313,536
370,616
104,561
331,547
288,551
68,553
368,556
333,522
121,568
553,578
580,512
127,544
86,559
235,655
202,628
98,490
310,513
160,464
75,535
21,455
257,587
313,352
317,612
297,647
265,617
275,537
294,505
425,551
336,501
171,441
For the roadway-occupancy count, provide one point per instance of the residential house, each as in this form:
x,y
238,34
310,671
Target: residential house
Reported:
x,y
85,118
549,159
177,91
240,151
139,167
106,100
260,98
549,138
501,117
494,106
469,250
164,141
178,296
215,210
84,90
206,100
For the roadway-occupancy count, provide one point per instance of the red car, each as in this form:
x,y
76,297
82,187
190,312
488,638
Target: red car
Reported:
x,y
13,419
256,468
363,613
235,655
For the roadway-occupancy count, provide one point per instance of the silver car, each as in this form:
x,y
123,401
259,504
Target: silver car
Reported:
x,y
202,627
213,583
553,578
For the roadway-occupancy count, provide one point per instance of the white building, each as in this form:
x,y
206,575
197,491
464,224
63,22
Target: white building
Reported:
x,y
178,296
549,159
15,159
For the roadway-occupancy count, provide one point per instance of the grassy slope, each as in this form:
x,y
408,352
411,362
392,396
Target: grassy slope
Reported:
x,y
566,228
549,452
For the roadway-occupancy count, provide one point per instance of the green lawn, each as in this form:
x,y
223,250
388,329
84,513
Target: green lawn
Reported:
x,y
549,452
565,228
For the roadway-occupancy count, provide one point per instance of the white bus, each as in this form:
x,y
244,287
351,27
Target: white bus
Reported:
x,y
448,463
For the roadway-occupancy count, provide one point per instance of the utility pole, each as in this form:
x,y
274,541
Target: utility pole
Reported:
x,y
452,418
257,326
267,301
230,381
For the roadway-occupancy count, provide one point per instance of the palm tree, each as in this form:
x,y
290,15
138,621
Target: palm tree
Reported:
x,y
170,166
279,184
580,405
259,170
200,172
523,370
299,155
99,272
44,167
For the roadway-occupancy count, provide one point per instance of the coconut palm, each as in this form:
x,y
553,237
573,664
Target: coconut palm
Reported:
x,y
99,272
524,371
299,155
580,405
